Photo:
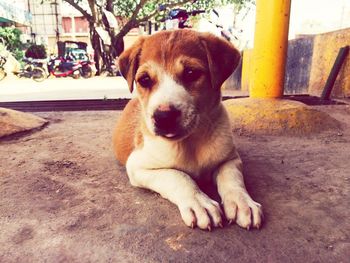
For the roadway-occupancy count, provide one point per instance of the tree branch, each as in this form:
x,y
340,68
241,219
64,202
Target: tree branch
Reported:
x,y
93,10
80,9
132,21
109,6
137,9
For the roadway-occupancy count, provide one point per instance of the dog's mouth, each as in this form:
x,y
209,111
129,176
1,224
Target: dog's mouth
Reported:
x,y
170,135
176,131
169,131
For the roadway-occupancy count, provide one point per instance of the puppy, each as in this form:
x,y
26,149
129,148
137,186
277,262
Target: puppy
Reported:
x,y
177,132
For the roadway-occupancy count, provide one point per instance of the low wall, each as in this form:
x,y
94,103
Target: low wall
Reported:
x,y
298,66
309,62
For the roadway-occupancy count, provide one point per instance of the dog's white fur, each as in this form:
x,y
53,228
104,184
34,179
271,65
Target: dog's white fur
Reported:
x,y
171,167
169,93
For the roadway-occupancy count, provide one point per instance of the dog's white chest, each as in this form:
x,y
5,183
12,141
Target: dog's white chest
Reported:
x,y
159,153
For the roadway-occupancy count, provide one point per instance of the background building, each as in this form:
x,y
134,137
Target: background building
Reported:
x,y
14,13
74,26
53,21
46,26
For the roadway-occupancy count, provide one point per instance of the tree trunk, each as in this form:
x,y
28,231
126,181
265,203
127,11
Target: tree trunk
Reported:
x,y
96,45
104,55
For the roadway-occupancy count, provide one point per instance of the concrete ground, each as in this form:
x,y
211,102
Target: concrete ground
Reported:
x,y
63,198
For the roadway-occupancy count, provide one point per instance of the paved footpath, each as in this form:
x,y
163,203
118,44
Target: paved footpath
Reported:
x,y
14,89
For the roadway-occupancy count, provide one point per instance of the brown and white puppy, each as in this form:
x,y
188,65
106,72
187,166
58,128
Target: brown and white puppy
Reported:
x,y
177,132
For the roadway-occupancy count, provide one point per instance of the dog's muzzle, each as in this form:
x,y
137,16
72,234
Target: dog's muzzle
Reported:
x,y
167,122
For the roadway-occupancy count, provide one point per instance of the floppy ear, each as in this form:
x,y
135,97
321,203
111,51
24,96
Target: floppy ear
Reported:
x,y
129,62
222,56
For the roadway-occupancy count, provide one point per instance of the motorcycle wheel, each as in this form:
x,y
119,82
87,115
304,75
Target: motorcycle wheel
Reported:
x,y
2,74
86,72
38,74
28,67
76,74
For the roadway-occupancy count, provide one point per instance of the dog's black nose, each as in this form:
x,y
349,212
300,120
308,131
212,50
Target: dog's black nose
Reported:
x,y
166,120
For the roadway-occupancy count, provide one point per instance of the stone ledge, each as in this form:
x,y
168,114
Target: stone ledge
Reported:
x,y
14,122
277,117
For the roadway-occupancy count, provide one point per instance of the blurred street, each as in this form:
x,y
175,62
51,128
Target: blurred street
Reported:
x,y
15,89
19,89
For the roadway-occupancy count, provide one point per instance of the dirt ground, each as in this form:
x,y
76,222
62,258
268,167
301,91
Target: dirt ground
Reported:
x,y
63,198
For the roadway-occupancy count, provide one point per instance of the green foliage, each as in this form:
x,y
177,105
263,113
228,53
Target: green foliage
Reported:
x,y
150,8
18,54
36,51
125,8
11,38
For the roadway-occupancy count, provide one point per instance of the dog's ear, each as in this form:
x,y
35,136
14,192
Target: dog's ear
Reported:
x,y
129,62
222,56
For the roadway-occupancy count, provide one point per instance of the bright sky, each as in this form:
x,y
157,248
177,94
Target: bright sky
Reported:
x,y
318,16
307,17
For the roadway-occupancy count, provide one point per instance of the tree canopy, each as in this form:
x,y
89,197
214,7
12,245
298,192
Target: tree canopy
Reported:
x,y
143,10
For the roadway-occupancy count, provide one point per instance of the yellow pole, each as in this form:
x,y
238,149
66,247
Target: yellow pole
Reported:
x,y
270,48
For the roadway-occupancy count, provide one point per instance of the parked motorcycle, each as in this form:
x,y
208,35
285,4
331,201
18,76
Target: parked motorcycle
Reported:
x,y
31,69
86,69
64,67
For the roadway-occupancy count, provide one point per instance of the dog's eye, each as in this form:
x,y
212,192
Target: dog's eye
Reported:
x,y
191,74
145,81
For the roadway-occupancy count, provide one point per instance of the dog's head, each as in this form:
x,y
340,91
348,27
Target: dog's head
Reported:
x,y
178,75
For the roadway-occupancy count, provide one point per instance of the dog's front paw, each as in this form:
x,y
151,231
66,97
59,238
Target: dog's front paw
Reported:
x,y
240,207
199,210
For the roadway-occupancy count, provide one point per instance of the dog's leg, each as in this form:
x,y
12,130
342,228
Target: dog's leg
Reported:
x,y
238,205
196,207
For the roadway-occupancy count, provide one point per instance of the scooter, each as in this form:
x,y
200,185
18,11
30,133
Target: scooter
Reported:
x,y
60,67
64,67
